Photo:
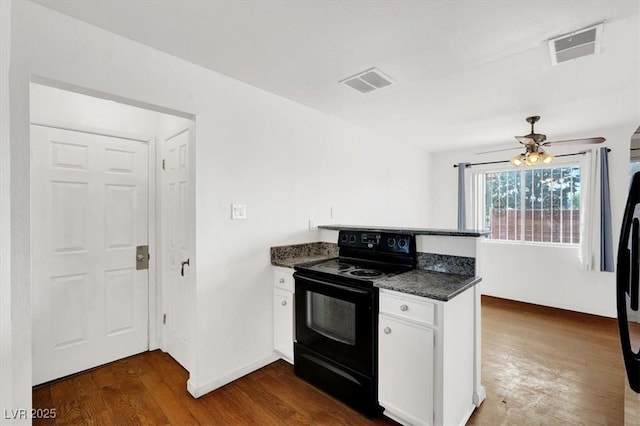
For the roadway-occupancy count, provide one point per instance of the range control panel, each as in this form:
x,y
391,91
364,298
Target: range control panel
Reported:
x,y
377,241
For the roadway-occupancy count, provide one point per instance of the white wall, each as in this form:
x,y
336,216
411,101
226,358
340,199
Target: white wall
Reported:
x,y
556,278
50,105
6,365
288,163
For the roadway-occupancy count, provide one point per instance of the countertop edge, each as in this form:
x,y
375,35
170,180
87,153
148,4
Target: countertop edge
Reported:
x,y
426,294
293,261
411,231
475,280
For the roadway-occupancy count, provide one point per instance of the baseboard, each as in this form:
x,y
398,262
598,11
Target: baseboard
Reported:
x,y
479,395
466,418
198,391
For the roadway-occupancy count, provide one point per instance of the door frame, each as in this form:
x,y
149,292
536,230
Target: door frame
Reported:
x,y
153,300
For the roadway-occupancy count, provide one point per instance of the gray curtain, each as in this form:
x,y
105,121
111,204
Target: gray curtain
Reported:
x,y
462,215
606,241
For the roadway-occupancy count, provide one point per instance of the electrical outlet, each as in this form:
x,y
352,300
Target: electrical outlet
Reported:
x,y
238,211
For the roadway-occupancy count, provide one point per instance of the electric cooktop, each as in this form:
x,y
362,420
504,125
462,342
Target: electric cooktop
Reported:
x,y
352,268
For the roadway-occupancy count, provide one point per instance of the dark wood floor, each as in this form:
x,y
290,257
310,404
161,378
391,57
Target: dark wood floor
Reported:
x,y
540,366
545,366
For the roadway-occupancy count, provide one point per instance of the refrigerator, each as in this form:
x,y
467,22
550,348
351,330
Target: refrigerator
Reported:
x,y
628,300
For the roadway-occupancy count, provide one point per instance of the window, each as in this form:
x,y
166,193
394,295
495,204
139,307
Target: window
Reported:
x,y
530,205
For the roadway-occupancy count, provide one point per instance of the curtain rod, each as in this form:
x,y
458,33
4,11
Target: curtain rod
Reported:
x,y
508,161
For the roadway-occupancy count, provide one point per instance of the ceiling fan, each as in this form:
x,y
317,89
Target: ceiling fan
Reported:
x,y
534,143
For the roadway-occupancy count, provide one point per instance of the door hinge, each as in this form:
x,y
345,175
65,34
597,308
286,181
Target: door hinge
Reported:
x,y
163,164
164,318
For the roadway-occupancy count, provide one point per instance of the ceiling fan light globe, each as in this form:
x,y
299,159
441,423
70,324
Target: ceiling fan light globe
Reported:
x,y
547,158
533,157
517,160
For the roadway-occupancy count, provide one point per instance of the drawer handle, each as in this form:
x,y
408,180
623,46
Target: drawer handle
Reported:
x,y
404,308
283,303
281,280
387,330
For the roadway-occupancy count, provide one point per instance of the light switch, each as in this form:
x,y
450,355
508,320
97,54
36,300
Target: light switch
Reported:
x,y
238,211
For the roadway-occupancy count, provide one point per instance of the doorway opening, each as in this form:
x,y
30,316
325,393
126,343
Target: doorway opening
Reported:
x,y
109,228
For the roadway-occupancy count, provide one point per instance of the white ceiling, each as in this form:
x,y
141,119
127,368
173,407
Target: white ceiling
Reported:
x,y
467,72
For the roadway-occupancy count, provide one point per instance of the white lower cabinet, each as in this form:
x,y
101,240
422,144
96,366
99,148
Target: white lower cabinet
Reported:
x,y
426,358
283,313
406,370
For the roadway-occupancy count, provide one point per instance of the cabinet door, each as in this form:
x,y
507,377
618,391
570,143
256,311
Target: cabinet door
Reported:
x,y
406,370
283,322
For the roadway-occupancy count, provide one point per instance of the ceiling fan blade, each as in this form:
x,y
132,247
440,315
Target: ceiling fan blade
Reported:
x,y
499,150
525,140
575,141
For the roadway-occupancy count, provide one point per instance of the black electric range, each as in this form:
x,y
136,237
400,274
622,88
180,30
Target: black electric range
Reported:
x,y
336,314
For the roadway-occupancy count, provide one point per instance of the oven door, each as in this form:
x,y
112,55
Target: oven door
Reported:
x,y
337,321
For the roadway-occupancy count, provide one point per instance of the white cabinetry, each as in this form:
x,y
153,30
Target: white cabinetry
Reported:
x,y
406,370
283,325
426,358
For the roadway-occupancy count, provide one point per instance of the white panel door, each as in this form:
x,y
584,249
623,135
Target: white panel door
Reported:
x,y
89,211
176,221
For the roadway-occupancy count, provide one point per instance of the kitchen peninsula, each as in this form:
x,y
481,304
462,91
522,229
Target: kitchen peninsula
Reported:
x,y
428,314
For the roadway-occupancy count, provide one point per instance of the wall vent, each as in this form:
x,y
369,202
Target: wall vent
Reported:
x,y
368,81
575,45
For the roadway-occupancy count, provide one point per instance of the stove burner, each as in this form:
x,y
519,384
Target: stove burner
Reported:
x,y
366,273
343,266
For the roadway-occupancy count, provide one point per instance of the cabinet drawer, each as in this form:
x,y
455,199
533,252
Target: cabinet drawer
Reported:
x,y
415,309
283,278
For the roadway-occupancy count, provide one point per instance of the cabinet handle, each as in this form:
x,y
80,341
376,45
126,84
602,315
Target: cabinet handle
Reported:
x,y
283,303
281,280
387,330
404,308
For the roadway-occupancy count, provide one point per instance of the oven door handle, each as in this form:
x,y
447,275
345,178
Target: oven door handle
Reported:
x,y
333,285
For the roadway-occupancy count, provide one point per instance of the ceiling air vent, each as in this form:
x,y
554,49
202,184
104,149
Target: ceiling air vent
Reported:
x,y
575,45
368,81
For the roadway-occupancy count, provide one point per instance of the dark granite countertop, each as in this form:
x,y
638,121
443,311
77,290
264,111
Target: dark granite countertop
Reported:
x,y
434,285
290,255
290,262
412,231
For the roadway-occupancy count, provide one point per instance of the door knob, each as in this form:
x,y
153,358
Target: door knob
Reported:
x,y
284,303
142,257
186,262
404,308
387,330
